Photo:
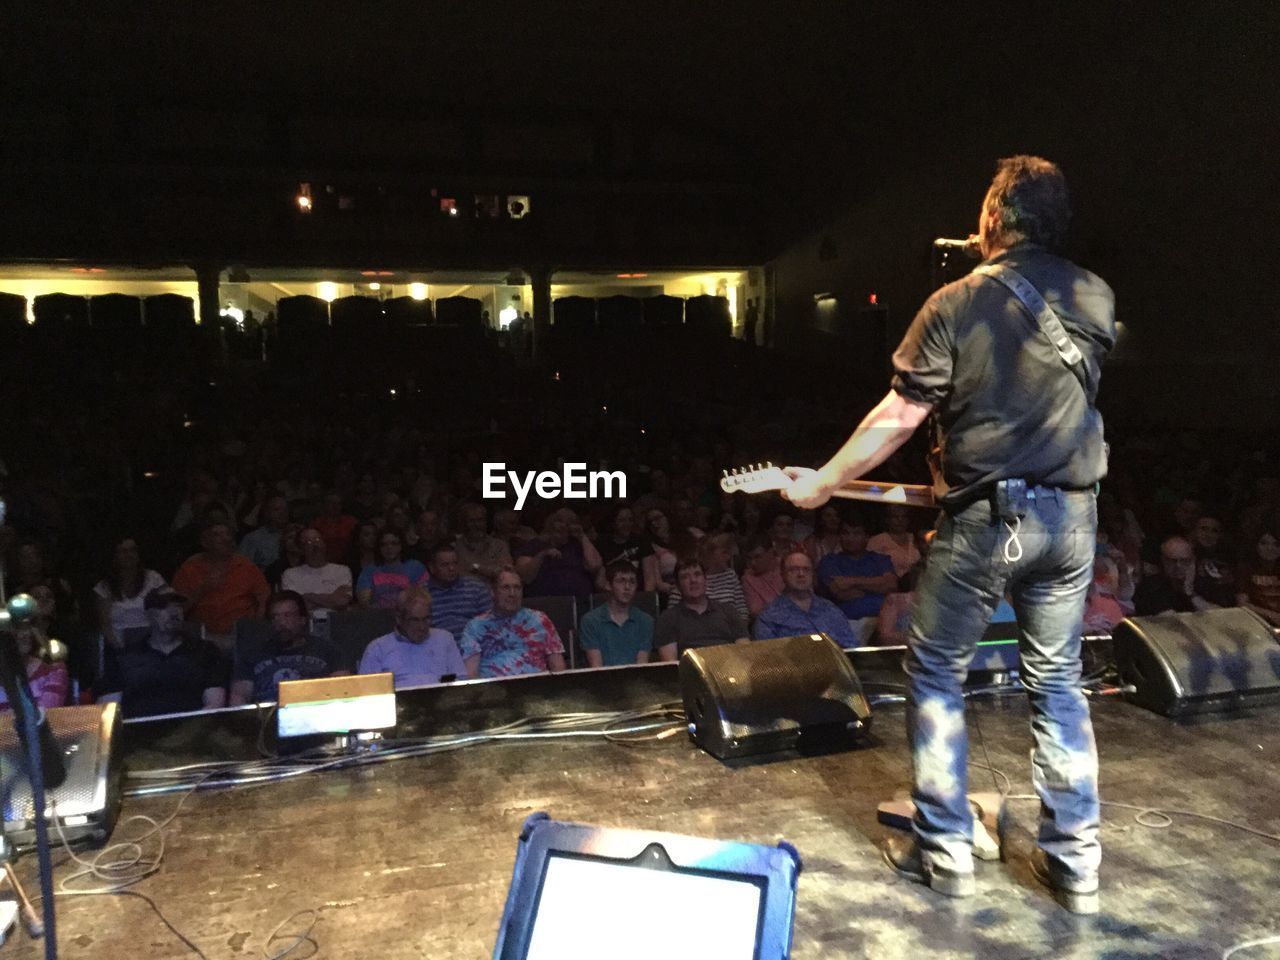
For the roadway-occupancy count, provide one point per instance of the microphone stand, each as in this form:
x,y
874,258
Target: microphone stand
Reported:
x,y
36,739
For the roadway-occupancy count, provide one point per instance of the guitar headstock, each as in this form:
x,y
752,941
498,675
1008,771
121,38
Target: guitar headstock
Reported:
x,y
754,478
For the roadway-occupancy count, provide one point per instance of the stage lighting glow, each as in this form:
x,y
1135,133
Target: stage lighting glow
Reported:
x,y
328,291
235,313
304,203
505,316
375,286
418,291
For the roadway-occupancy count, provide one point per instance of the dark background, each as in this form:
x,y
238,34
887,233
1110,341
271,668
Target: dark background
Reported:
x,y
829,142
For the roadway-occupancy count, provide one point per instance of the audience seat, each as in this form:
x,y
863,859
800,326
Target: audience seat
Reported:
x,y
352,630
563,612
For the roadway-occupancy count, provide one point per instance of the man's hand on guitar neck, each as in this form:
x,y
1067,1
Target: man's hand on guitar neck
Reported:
x,y
807,490
881,432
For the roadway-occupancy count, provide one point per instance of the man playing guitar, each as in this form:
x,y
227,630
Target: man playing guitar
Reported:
x,y
1007,360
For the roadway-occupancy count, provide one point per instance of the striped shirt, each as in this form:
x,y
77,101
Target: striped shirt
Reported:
x,y
723,586
453,604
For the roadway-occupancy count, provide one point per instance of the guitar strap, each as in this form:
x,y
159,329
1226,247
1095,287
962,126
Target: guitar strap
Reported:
x,y
1045,319
1050,325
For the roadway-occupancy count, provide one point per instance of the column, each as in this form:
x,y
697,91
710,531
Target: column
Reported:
x,y
540,276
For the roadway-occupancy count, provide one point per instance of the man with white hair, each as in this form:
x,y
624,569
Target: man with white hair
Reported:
x,y
416,652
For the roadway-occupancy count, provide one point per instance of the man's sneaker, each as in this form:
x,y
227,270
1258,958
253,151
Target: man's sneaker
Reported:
x,y
1078,896
904,856
985,846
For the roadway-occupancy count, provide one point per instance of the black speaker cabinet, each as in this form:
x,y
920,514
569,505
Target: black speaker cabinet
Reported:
x,y
1184,663
89,800
762,697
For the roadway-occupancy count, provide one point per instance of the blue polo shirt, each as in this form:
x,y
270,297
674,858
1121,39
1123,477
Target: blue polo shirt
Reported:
x,y
869,564
618,643
782,618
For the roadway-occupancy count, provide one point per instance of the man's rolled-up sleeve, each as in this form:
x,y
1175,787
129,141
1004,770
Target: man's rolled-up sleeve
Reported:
x,y
922,364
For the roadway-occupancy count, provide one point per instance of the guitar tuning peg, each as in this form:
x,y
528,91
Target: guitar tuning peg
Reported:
x,y
725,472
769,464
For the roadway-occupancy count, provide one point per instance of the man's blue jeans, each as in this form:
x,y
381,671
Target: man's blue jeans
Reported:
x,y
974,561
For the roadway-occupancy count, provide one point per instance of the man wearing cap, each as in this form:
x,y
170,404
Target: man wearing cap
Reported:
x,y
170,671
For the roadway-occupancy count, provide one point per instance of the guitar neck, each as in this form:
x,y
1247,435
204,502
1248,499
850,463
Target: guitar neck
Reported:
x,y
766,478
910,494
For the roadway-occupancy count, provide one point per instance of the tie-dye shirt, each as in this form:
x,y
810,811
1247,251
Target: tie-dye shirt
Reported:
x,y
512,645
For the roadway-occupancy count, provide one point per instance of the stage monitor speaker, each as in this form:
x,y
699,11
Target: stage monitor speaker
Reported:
x,y
771,695
88,801
1183,663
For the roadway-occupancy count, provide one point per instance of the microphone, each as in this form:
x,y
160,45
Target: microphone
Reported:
x,y
968,247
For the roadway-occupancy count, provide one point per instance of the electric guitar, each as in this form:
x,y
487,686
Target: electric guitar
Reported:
x,y
765,477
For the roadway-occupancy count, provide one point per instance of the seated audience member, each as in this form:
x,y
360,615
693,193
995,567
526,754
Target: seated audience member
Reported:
x,y
798,610
856,578
321,583
659,566
416,652
616,633
220,586
120,595
291,654
762,580
562,563
364,548
893,622
169,672
1101,611
684,520
897,542
1259,576
620,541
1107,579
422,537
723,584
336,527
478,553
380,584
1215,567
782,533
262,546
455,599
34,570
509,528
1174,586
826,538
511,638
697,620
290,555
49,681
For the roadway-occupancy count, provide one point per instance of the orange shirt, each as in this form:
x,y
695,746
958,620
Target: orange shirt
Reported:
x,y
241,594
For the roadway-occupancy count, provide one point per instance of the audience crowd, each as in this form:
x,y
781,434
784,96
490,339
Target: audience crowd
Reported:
x,y
147,543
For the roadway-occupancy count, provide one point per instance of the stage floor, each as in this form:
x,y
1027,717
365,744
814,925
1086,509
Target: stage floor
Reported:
x,y
413,858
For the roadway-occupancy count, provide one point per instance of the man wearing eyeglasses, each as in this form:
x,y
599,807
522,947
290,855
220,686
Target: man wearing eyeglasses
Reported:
x,y
1174,587
321,583
415,652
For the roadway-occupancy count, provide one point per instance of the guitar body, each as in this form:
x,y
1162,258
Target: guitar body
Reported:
x,y
764,478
